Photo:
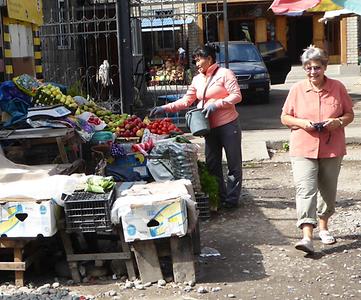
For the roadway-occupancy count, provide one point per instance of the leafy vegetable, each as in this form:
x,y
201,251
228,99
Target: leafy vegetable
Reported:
x,y
209,185
99,184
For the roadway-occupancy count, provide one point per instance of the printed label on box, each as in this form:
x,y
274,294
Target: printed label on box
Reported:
x,y
158,220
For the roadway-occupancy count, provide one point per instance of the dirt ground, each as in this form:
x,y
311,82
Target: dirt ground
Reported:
x,y
256,243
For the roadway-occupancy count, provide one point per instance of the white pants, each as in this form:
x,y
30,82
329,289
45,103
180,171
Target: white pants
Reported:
x,y
310,177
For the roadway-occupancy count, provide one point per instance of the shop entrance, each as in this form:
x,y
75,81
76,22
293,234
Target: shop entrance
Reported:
x,y
300,36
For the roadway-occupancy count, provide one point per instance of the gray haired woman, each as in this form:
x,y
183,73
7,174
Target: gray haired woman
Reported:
x,y
316,110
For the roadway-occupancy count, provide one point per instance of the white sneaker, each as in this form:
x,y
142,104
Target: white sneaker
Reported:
x,y
305,245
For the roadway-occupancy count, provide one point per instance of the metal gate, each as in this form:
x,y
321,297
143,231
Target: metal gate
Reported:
x,y
169,32
81,49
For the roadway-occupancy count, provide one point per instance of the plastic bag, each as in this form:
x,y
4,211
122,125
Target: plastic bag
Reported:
x,y
82,127
183,159
93,120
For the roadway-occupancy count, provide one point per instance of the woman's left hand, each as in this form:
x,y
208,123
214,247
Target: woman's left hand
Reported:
x,y
209,109
332,124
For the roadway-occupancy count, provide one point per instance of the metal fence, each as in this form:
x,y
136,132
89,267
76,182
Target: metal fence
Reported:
x,y
81,49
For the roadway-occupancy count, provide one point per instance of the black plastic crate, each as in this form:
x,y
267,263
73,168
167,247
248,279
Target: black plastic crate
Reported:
x,y
203,206
88,212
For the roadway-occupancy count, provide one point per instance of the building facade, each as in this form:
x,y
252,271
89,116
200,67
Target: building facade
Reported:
x,y
20,43
338,36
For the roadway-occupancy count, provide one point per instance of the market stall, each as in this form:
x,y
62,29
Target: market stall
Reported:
x,y
133,167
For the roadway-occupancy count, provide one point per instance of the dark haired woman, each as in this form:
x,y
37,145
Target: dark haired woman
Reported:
x,y
222,93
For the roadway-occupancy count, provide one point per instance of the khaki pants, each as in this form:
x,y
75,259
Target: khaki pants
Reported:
x,y
310,177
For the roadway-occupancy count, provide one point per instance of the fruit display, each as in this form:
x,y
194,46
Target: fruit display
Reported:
x,y
112,120
163,126
131,127
51,95
92,107
167,72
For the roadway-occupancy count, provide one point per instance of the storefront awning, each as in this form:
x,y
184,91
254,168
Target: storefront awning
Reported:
x,y
334,13
292,7
325,5
165,22
352,5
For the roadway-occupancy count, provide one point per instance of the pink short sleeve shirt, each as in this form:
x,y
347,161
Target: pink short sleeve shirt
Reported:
x,y
303,102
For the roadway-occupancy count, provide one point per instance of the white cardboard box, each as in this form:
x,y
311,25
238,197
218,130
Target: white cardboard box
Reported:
x,y
158,219
28,219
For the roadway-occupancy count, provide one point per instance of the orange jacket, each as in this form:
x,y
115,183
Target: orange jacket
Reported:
x,y
223,90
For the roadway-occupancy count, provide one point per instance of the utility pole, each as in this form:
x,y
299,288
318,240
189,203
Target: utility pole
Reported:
x,y
125,57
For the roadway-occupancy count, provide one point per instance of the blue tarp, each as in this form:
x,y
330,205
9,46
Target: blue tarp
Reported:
x,y
14,102
160,22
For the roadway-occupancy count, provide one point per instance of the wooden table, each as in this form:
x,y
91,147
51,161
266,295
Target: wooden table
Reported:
x,y
60,135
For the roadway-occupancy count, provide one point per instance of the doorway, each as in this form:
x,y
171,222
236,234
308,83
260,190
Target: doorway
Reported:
x,y
300,36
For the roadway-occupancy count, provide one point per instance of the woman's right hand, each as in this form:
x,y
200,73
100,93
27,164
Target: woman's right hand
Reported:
x,y
156,111
306,125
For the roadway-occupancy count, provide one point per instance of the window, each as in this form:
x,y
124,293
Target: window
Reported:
x,y
165,39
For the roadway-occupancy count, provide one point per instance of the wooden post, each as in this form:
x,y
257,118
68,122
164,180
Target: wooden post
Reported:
x,y
318,32
220,31
62,151
183,259
19,275
281,30
343,36
126,249
147,260
261,30
200,24
73,266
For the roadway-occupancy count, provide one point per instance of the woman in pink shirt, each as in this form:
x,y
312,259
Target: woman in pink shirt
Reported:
x,y
316,110
222,93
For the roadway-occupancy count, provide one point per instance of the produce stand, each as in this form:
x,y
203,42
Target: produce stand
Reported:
x,y
123,148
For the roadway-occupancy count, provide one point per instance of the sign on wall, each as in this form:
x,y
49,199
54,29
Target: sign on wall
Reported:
x,y
28,11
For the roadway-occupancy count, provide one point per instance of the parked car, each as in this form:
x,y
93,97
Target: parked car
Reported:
x,y
276,60
246,62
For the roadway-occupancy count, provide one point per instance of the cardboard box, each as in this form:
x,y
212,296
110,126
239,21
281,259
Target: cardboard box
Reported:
x,y
28,219
156,220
